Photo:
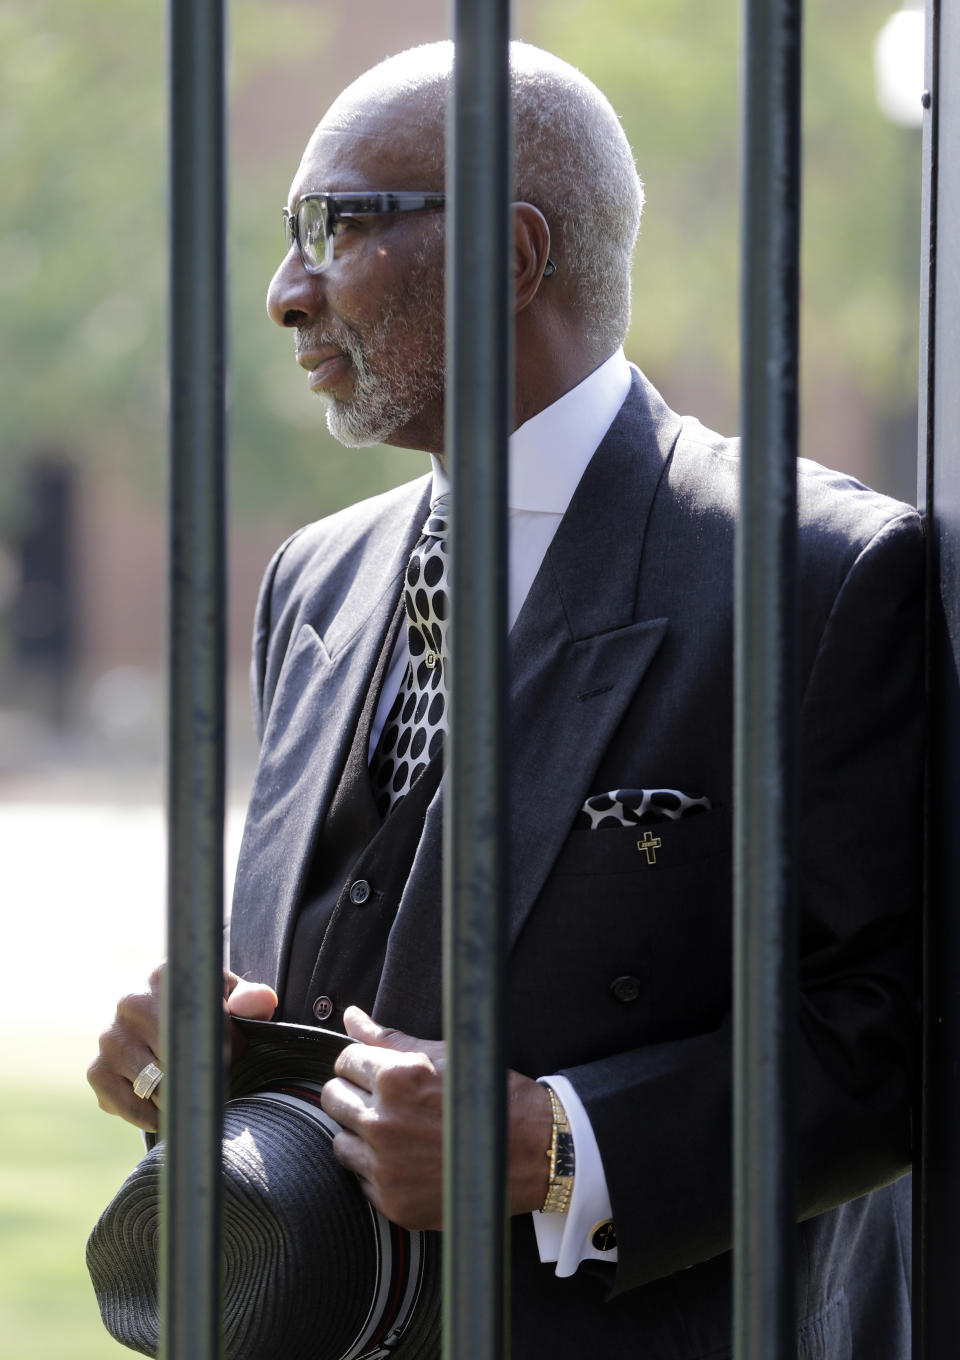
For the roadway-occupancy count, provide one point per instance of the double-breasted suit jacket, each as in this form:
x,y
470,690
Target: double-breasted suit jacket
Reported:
x,y
620,959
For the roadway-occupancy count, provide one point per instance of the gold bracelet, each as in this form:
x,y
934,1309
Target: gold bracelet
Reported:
x,y
560,1156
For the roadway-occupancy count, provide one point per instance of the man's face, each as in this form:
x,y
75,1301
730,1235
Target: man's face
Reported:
x,y
369,329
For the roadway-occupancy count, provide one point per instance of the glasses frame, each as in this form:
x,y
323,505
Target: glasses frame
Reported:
x,y
336,206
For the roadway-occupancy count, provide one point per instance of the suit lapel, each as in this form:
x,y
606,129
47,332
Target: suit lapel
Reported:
x,y
578,651
581,645
313,719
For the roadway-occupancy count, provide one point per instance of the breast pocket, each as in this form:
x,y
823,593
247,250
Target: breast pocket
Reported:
x,y
629,941
660,847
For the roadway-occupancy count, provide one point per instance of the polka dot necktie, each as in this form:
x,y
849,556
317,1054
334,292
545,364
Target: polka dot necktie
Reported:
x,y
413,731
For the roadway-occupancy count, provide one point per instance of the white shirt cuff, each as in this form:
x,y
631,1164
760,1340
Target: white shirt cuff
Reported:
x,y
565,1238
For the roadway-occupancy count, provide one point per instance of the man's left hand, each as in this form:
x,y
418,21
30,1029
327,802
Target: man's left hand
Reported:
x,y
388,1096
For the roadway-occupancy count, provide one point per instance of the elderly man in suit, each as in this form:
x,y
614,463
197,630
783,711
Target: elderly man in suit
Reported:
x,y
622,520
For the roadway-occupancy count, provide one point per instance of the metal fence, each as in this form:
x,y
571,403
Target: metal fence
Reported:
x,y
480,369
479,331
765,736
190,1249
937,1182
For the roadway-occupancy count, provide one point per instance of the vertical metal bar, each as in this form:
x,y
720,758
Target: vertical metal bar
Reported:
x,y
765,950
479,402
190,1249
922,1228
938,1314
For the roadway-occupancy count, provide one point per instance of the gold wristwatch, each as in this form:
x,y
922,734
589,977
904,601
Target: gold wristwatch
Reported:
x,y
561,1158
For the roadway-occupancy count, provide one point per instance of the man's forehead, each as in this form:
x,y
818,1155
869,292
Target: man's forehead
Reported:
x,y
366,156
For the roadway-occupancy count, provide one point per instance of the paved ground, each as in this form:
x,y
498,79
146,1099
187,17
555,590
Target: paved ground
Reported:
x,y
82,897
83,891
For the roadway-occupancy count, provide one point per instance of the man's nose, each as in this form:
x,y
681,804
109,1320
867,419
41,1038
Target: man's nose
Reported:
x,y
293,295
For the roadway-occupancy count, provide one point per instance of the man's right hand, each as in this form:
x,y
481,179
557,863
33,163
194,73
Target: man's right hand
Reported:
x,y
133,1040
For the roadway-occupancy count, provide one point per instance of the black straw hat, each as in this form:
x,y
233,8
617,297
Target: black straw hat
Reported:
x,y
311,1270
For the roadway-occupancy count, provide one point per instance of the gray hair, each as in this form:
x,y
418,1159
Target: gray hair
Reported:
x,y
572,161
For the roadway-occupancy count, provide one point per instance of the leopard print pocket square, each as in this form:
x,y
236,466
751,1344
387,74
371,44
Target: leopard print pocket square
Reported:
x,y
636,807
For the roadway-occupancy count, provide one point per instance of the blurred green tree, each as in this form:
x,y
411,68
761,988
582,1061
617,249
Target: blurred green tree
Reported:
x,y
671,69
83,258
83,219
81,227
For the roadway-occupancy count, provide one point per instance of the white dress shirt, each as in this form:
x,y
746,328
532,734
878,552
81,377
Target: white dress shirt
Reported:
x,y
547,457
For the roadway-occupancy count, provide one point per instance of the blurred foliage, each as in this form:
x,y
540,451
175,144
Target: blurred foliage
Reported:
x,y
671,69
83,256
80,271
83,220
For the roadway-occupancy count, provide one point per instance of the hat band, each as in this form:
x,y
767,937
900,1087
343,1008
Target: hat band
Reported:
x,y
400,1255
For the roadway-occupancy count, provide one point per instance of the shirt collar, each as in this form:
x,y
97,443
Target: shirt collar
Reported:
x,y
549,453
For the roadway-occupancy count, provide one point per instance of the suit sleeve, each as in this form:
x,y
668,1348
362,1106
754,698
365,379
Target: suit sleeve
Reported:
x,y
662,1114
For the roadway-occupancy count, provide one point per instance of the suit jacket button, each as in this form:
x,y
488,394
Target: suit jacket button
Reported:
x,y
323,1008
625,988
359,892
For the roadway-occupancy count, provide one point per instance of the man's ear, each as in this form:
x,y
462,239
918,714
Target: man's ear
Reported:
x,y
531,248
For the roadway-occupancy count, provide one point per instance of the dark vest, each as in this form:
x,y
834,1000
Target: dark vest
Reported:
x,y
359,868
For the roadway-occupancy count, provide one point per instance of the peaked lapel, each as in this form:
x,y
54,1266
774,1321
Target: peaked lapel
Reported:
x,y
578,651
582,644
313,718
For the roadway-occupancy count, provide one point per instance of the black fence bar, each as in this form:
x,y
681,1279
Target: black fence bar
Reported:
x,y
479,350
765,950
192,1047
937,1319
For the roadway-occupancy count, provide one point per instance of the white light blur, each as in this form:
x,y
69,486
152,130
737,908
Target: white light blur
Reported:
x,y
898,67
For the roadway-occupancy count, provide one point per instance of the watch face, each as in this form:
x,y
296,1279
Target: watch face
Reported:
x,y
565,1164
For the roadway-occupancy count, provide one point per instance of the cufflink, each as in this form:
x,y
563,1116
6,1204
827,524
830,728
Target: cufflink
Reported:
x,y
603,1235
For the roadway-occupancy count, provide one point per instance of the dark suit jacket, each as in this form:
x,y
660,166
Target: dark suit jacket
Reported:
x,y
622,677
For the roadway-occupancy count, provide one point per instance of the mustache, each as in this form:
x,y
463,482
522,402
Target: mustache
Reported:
x,y
344,339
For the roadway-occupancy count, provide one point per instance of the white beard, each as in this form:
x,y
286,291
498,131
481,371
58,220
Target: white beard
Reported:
x,y
407,370
382,402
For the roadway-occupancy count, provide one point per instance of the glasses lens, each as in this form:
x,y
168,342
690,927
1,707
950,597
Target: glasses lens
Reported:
x,y
312,219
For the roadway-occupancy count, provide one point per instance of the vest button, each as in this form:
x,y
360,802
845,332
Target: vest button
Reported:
x,y
359,892
625,988
323,1008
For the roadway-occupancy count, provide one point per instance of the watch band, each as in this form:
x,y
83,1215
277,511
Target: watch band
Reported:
x,y
562,1161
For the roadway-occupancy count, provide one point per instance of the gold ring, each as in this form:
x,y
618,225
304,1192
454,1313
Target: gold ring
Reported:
x,y
147,1080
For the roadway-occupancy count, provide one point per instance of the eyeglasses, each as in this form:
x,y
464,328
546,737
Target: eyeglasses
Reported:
x,y
313,223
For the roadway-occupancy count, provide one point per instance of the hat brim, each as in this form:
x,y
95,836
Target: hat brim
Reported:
x,y
274,1051
311,1270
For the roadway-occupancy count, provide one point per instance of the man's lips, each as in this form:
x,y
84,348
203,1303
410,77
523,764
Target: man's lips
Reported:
x,y
323,366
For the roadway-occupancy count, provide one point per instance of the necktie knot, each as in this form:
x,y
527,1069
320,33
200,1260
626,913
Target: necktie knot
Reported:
x,y
438,518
